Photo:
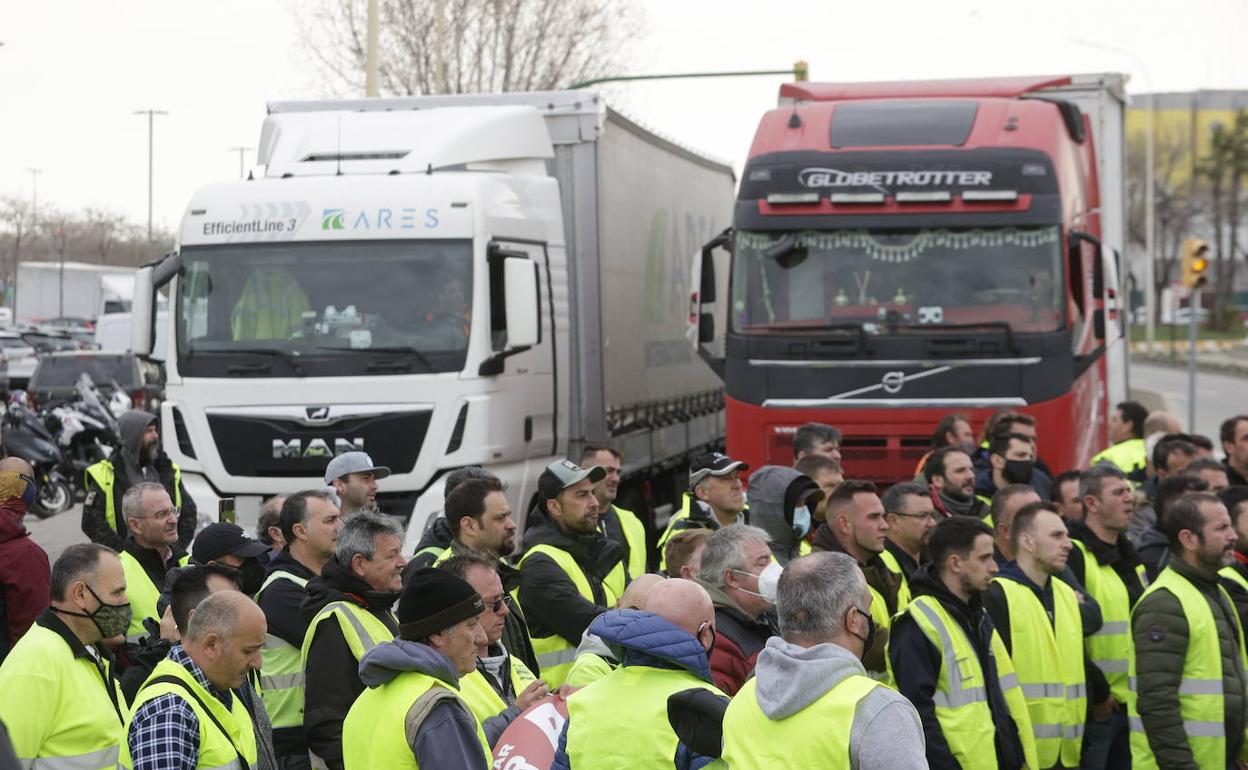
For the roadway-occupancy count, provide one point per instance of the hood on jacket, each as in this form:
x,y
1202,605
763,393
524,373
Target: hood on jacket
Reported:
x,y
336,583
11,513
791,677
386,661
775,491
130,429
594,644
640,638
437,535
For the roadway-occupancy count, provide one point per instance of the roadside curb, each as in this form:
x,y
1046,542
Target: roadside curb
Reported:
x,y
1207,363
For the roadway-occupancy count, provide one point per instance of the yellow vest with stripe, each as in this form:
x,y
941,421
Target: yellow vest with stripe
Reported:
x,y
620,721
879,615
216,749
1048,658
635,534
360,628
374,734
142,594
554,654
1130,456
1234,575
961,698
57,708
1201,701
102,474
589,667
281,673
1110,648
816,736
669,530
894,566
480,696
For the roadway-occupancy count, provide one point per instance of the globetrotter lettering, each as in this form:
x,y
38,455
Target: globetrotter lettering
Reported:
x,y
830,177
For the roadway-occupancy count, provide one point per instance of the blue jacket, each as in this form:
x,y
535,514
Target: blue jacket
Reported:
x,y
641,638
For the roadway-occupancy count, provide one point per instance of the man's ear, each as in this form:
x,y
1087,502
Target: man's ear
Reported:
x,y
997,461
358,571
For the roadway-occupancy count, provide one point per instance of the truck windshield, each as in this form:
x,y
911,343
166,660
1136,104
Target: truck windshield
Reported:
x,y
811,279
324,309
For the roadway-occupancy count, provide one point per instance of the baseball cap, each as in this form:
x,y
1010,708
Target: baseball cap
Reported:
x,y
353,462
713,464
217,540
562,474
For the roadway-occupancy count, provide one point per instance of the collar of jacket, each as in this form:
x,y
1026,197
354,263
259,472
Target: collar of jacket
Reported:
x,y
338,580
1014,572
284,562
51,621
1105,553
593,550
509,575
904,560
1206,583
150,560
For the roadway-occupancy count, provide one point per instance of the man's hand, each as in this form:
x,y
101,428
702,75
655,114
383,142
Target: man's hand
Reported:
x,y
1103,710
532,694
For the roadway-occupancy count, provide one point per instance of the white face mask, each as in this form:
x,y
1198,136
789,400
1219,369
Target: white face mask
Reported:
x,y
768,581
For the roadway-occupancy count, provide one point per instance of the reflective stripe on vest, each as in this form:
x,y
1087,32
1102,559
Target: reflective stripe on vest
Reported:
x,y
1048,658
620,722
1111,647
961,699
635,534
360,628
554,654
216,749
92,760
803,740
374,733
1201,701
281,673
142,594
102,474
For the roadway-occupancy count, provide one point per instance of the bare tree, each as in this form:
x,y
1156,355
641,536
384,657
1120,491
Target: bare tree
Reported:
x,y
103,229
1175,206
18,230
467,46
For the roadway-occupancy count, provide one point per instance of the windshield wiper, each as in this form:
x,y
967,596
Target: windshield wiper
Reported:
x,y
290,358
408,349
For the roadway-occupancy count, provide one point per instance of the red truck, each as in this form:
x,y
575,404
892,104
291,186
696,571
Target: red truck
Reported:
x,y
902,251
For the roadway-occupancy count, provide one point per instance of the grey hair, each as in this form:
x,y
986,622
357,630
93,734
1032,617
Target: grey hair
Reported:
x,y
217,614
359,535
815,592
132,500
1092,481
894,498
724,551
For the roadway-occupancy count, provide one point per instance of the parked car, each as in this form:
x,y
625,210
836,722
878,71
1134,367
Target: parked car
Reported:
x,y
55,377
50,340
21,357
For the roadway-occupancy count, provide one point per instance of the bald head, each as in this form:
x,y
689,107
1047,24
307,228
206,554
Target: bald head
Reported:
x,y
634,597
224,637
17,465
683,603
1161,422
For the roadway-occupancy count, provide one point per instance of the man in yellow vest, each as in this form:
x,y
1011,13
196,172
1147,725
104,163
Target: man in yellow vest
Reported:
x,y
138,458
187,715
150,552
571,573
413,714
310,525
948,660
1126,436
619,722
621,525
1189,708
348,612
1037,618
59,694
911,517
810,703
1235,575
1106,564
501,686
716,497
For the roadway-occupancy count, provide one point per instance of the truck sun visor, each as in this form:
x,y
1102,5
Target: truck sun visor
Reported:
x,y
902,124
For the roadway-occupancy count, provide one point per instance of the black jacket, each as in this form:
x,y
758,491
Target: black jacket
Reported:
x,y
282,602
904,560
95,524
333,681
916,665
551,603
1234,477
437,535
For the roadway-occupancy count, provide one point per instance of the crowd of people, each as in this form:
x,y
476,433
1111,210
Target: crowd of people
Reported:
x,y
989,613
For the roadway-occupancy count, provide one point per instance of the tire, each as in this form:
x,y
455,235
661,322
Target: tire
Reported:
x,y
54,498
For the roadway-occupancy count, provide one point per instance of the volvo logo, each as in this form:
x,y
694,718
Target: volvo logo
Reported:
x,y
317,413
316,448
893,381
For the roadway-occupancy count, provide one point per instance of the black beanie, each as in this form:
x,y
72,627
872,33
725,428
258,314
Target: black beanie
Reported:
x,y
434,600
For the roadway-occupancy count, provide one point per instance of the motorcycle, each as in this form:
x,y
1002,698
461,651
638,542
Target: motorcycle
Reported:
x,y
26,436
85,429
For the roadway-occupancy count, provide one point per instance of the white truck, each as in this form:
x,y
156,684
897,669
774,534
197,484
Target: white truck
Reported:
x,y
88,290
440,281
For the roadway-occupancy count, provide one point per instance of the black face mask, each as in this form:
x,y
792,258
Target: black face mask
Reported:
x,y
1018,471
253,576
870,637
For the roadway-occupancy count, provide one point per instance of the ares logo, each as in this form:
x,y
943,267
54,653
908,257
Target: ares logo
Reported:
x,y
315,448
379,219
331,219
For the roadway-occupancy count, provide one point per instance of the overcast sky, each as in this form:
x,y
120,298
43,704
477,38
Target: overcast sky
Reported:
x,y
75,71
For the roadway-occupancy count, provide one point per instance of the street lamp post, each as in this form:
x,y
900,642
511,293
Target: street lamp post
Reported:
x,y
151,120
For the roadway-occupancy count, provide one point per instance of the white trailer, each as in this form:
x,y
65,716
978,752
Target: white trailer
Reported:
x,y
88,290
442,281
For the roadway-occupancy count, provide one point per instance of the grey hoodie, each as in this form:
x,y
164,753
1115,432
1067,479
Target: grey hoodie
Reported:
x,y
130,429
886,733
774,491
445,734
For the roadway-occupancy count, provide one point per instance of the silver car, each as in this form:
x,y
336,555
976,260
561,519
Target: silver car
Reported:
x,y
20,358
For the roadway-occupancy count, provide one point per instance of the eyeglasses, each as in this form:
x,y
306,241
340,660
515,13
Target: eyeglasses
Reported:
x,y
168,513
932,515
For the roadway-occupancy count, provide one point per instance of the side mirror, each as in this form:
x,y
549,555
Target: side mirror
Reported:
x,y
1077,239
143,313
522,299
701,328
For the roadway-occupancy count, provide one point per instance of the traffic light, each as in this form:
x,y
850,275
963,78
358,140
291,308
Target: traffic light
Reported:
x,y
801,71
1195,262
